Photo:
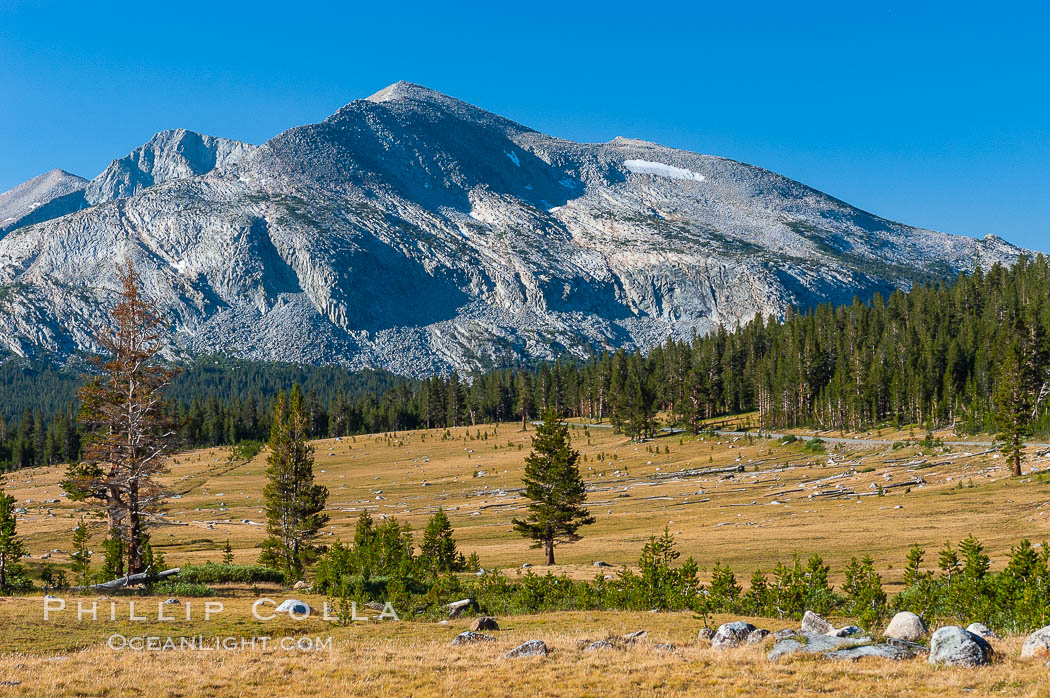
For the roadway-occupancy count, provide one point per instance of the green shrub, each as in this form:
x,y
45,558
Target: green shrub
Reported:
x,y
177,588
814,445
210,573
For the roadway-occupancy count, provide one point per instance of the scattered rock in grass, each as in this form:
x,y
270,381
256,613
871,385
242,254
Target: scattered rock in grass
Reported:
x,y
955,646
913,647
532,648
705,634
1037,644
600,645
884,651
631,638
982,630
300,585
757,636
295,608
172,602
599,563
484,623
812,623
732,634
812,643
785,634
848,631
469,637
906,626
663,647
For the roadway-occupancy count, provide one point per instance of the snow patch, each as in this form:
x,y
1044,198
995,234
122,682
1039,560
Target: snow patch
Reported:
x,y
513,157
567,183
659,169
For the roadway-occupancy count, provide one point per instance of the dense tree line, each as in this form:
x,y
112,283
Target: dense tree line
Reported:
x,y
959,354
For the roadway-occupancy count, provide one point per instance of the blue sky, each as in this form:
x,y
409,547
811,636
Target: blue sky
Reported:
x,y
931,113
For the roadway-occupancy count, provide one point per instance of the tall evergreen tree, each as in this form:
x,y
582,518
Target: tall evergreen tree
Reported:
x,y
11,547
1013,408
294,504
81,555
553,483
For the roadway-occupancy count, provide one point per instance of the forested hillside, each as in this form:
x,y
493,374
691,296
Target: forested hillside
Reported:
x,y
936,355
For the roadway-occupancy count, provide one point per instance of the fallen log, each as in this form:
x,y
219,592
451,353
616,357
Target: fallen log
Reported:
x,y
128,580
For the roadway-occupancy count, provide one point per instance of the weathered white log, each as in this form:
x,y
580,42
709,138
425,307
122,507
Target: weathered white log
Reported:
x,y
128,580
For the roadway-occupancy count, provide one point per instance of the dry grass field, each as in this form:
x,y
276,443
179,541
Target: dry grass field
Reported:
x,y
781,499
414,659
745,519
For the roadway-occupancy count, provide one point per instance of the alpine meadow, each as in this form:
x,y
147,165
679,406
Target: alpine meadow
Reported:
x,y
414,399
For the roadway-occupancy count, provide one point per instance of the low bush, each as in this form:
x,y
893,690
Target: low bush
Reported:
x,y
210,573
176,588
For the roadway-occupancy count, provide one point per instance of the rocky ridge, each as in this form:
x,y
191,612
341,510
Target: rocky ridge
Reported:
x,y
414,232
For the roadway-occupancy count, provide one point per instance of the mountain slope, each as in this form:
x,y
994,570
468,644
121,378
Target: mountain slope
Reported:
x,y
40,198
414,232
174,154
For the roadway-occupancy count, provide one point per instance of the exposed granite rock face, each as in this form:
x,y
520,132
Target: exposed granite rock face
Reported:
x,y
46,196
955,646
414,232
174,154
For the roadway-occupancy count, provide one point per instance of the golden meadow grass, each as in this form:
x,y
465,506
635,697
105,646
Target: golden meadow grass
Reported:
x,y
750,520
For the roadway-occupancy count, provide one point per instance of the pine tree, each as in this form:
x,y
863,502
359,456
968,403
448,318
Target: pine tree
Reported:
x,y
294,504
11,547
131,430
112,557
227,553
553,483
1013,408
438,551
80,555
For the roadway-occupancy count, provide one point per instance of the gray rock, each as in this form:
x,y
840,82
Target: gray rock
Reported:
x,y
599,563
484,623
885,651
172,602
757,636
637,635
469,637
956,646
1037,644
294,607
848,631
812,643
785,634
663,647
812,623
600,645
705,634
732,634
532,648
982,630
906,626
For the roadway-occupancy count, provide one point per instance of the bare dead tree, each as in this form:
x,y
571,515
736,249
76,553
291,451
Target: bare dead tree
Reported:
x,y
131,430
